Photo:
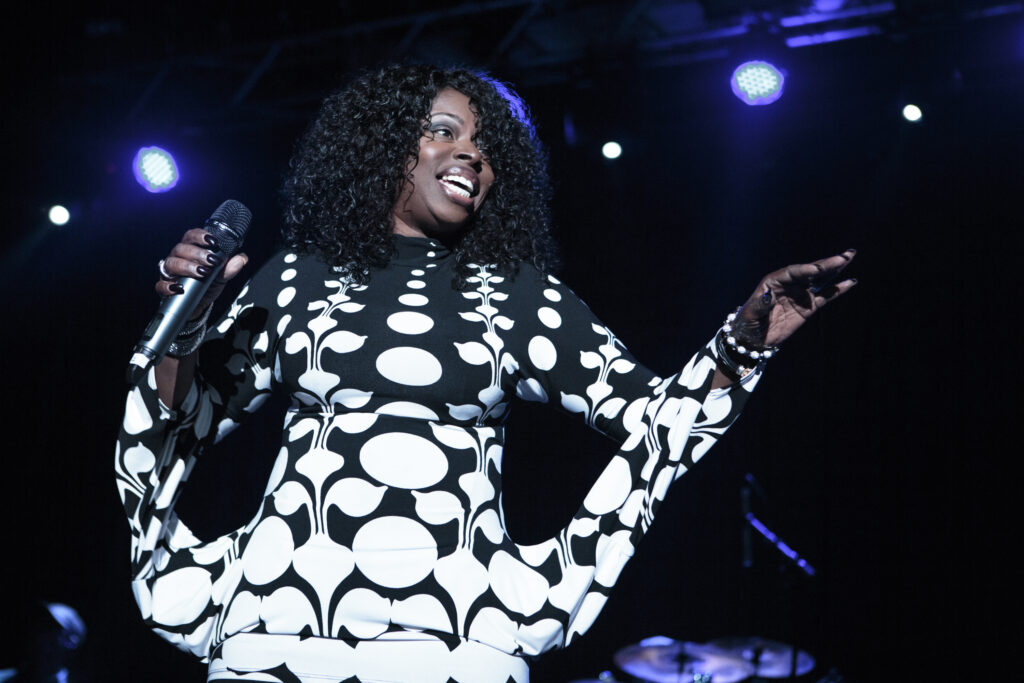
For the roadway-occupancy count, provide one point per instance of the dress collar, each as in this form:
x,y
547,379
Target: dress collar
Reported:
x,y
418,250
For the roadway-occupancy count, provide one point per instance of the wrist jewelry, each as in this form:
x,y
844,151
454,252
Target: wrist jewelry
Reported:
x,y
737,358
190,336
749,350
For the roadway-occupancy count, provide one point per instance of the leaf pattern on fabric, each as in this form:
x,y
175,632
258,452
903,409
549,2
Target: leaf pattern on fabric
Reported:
x,y
382,519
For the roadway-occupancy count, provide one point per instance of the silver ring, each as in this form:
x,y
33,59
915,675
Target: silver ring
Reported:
x,y
163,273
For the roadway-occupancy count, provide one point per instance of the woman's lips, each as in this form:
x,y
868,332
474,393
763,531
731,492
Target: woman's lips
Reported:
x,y
464,177
455,191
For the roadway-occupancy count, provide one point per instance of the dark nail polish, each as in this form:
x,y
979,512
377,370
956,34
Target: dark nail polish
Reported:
x,y
210,240
177,289
213,259
203,270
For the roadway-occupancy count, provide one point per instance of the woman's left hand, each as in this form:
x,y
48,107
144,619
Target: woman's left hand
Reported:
x,y
786,298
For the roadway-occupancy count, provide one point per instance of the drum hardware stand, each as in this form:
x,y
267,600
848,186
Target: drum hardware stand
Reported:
x,y
791,557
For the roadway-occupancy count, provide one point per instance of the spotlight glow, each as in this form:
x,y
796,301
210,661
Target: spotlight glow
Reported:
x,y
912,113
611,150
757,83
59,215
155,169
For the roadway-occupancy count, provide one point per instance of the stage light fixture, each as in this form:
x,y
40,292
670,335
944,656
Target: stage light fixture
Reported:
x,y
611,150
757,83
155,169
912,113
58,215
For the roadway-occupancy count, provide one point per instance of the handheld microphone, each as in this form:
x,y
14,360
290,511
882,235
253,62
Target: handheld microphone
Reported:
x,y
228,225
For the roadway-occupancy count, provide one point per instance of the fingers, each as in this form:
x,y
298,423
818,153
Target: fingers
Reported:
x,y
196,256
817,274
833,265
168,287
233,267
833,291
188,260
201,238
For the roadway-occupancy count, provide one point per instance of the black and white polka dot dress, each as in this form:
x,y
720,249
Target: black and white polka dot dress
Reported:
x,y
379,552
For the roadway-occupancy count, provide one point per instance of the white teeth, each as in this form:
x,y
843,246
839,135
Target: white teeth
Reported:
x,y
458,184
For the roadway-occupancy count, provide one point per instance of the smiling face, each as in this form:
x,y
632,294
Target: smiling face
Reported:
x,y
450,177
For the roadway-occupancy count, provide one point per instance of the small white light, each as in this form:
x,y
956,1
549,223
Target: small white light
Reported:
x,y
611,150
912,113
59,215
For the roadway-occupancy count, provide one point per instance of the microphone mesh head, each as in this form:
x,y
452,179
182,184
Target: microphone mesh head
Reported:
x,y
228,224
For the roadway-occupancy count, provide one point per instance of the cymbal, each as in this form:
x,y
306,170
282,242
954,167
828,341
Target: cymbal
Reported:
x,y
768,658
663,660
604,677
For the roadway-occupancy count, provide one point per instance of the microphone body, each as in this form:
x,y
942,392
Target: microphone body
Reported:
x,y
228,225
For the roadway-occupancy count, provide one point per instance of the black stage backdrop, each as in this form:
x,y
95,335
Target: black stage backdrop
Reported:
x,y
882,436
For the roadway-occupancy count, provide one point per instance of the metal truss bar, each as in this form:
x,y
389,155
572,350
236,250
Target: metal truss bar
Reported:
x,y
144,98
409,38
256,74
517,29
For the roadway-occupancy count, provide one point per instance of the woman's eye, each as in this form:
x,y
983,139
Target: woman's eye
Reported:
x,y
442,132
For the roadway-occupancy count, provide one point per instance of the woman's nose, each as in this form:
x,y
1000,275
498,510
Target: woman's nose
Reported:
x,y
468,152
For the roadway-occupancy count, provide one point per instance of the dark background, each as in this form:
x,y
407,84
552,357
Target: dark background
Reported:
x,y
883,436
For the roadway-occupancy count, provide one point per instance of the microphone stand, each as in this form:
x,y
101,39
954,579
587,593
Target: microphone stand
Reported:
x,y
790,556
787,552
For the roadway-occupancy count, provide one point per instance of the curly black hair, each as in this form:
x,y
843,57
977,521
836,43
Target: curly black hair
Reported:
x,y
351,163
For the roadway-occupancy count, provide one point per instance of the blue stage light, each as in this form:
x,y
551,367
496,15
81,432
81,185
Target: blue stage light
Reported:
x,y
155,169
757,83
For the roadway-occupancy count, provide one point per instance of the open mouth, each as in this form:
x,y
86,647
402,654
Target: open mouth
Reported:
x,y
462,187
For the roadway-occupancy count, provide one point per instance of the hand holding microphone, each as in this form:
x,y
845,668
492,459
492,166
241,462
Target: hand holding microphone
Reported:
x,y
197,257
191,277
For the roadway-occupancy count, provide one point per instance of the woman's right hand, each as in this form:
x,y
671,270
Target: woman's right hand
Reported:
x,y
196,256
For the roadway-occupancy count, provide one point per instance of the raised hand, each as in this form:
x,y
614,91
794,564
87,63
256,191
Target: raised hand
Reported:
x,y
786,298
195,257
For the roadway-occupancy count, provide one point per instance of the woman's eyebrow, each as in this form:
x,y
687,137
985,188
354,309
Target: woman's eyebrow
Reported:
x,y
446,113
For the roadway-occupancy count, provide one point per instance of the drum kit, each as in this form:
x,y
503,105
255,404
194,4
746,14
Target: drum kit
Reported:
x,y
659,659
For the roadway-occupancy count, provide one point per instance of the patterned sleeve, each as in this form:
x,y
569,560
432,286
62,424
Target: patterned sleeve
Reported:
x,y
156,450
566,357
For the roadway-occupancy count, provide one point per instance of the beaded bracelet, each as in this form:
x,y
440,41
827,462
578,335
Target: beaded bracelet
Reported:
x,y
736,359
190,336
